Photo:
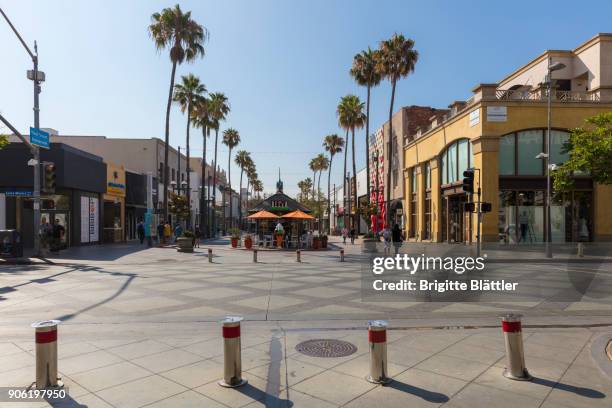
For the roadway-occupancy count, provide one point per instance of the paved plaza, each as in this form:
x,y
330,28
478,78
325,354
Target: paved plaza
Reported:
x,y
140,328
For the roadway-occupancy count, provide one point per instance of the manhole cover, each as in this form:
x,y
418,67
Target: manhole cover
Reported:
x,y
326,348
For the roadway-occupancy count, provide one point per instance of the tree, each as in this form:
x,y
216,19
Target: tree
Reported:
x,y
365,74
333,145
201,119
258,187
219,108
178,31
304,186
242,160
351,116
395,60
231,138
313,165
187,94
178,205
322,165
3,141
590,151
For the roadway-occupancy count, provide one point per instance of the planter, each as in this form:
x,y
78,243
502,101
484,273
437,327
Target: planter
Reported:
x,y
279,241
324,242
234,242
248,243
316,243
184,244
369,245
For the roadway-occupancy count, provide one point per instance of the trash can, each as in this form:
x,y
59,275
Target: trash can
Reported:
x,y
10,244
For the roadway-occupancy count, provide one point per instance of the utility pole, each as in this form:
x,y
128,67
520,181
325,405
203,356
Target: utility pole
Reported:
x,y
37,77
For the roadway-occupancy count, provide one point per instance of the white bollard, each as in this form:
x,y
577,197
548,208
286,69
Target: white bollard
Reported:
x,y
342,255
232,358
515,354
46,354
377,338
580,249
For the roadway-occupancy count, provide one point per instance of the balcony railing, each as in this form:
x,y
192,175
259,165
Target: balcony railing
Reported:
x,y
541,94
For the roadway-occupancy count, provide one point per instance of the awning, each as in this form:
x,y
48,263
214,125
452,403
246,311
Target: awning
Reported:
x,y
298,215
263,215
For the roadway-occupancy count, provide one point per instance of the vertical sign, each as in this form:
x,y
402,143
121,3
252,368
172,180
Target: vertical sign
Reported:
x,y
93,219
89,220
84,220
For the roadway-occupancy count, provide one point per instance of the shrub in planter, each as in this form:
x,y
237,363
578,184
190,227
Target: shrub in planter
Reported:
x,y
248,241
369,242
234,236
184,244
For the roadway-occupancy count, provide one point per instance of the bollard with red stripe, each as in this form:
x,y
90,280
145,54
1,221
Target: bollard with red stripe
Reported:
x,y
377,338
46,354
232,358
342,255
515,354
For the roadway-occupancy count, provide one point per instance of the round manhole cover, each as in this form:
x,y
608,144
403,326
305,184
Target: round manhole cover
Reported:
x,y
326,348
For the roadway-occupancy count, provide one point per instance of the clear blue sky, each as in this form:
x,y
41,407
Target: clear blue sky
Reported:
x,y
283,64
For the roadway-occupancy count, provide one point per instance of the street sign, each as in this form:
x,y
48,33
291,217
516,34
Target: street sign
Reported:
x,y
39,138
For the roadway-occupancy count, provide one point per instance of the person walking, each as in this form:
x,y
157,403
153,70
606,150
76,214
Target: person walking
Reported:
x,y
58,235
387,239
396,237
167,233
140,231
178,231
197,234
160,233
344,234
353,235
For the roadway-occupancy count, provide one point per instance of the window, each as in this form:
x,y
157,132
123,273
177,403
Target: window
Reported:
x,y
557,139
413,201
427,229
451,157
529,143
173,175
455,160
518,151
506,154
161,171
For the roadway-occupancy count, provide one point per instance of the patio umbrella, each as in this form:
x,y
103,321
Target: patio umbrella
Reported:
x,y
262,215
298,215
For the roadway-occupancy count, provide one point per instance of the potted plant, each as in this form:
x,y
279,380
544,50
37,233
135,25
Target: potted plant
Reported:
x,y
279,239
234,236
316,242
248,241
369,242
185,242
323,241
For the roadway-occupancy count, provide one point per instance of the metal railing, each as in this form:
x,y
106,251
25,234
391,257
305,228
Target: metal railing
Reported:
x,y
542,94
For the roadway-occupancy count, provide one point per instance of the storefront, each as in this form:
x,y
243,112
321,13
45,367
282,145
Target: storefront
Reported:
x,y
74,205
114,204
135,202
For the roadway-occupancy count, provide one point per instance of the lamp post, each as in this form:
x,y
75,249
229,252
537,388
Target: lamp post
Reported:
x,y
551,67
173,185
186,189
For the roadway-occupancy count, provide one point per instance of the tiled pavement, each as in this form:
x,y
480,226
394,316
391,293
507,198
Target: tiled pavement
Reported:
x,y
140,330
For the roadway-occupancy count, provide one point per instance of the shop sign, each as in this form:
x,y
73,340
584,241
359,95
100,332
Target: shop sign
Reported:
x,y
474,117
115,188
39,138
18,193
497,113
89,219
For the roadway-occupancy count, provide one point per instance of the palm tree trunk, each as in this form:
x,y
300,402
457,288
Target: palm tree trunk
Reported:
x,y
367,144
167,141
240,199
247,189
214,186
354,184
188,189
314,179
344,204
390,158
203,213
319,201
331,160
229,184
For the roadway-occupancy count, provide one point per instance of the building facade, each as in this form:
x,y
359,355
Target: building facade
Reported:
x,y
500,131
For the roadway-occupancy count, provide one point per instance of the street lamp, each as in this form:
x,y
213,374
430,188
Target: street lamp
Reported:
x,y
173,184
551,68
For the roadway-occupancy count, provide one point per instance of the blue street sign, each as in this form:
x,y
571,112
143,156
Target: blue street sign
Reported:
x,y
39,138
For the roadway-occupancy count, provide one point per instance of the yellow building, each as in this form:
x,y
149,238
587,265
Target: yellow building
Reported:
x,y
114,204
499,131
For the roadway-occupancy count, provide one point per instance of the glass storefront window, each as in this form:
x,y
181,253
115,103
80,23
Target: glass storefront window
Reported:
x,y
451,160
443,167
463,159
507,217
557,139
530,144
506,155
427,176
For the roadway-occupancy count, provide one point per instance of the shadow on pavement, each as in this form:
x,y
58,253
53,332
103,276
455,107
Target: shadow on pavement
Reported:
x,y
268,401
428,396
67,402
583,392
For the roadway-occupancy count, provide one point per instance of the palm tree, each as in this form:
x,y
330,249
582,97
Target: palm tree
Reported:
x,y
201,119
395,60
314,167
322,165
365,74
242,160
178,31
231,138
219,108
258,187
187,95
333,145
350,116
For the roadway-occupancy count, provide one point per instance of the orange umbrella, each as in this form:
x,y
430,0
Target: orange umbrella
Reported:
x,y
298,215
262,215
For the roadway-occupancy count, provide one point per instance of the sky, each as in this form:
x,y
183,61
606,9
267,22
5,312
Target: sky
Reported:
x,y
283,65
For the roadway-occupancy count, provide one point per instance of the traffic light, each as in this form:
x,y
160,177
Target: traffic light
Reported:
x,y
49,178
469,207
468,181
485,207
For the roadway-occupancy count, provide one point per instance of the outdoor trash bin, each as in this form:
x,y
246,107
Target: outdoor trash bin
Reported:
x,y
10,244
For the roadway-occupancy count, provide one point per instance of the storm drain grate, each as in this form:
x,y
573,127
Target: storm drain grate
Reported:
x,y
326,348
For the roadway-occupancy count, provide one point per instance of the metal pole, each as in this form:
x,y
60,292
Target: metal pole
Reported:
x,y
46,354
478,219
515,354
377,338
548,226
36,192
232,358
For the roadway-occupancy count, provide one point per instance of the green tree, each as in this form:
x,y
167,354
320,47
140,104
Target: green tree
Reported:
x,y
231,138
590,151
333,145
242,159
187,94
322,165
3,141
395,59
176,30
365,74
218,108
314,167
178,205
201,119
304,186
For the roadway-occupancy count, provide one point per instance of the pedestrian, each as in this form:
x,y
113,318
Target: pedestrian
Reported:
x,y
353,235
387,239
178,231
344,234
197,235
167,233
140,230
58,235
396,237
160,233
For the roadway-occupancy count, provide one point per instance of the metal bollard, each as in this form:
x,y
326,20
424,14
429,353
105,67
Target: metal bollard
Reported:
x,y
342,255
298,255
580,249
46,354
210,255
254,255
377,337
515,355
232,358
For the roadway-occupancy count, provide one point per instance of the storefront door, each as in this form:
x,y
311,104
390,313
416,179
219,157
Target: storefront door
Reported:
x,y
455,229
58,217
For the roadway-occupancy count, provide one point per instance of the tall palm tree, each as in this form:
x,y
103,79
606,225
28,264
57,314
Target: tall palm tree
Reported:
x,y
322,165
333,145
258,187
231,138
351,116
187,94
395,60
175,29
242,159
219,108
365,74
314,167
201,119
